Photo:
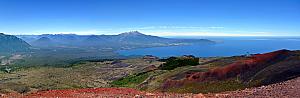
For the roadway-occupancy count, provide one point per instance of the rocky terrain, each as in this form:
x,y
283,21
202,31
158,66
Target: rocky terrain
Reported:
x,y
287,89
271,74
228,74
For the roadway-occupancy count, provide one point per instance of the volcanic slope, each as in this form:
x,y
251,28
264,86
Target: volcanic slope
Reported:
x,y
224,74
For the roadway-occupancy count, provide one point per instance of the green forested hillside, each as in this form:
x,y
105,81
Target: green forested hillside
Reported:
x,y
10,43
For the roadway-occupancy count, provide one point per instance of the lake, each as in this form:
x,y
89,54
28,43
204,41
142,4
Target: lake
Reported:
x,y
228,46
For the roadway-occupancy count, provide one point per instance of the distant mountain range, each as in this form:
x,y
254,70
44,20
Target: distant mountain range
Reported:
x,y
128,40
10,43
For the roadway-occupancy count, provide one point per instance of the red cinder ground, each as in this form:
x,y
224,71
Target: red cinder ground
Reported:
x,y
287,89
239,66
251,63
280,90
96,93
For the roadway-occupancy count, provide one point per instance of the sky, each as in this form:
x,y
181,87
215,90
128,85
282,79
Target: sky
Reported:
x,y
153,17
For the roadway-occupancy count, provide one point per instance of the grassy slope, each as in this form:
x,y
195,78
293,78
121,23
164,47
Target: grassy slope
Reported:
x,y
80,75
152,80
99,74
131,81
286,68
43,78
157,78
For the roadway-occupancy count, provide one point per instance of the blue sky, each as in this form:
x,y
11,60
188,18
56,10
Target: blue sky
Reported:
x,y
155,17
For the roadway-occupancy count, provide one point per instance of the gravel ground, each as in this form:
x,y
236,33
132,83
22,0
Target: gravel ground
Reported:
x,y
287,89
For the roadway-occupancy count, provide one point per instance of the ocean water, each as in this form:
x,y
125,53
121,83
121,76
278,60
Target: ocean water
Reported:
x,y
224,47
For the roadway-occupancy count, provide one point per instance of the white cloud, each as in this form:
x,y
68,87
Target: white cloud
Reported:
x,y
208,34
165,31
216,27
82,32
174,27
88,32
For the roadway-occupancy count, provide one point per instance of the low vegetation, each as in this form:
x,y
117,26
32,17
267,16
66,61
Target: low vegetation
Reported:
x,y
131,80
176,74
185,75
174,62
81,74
208,87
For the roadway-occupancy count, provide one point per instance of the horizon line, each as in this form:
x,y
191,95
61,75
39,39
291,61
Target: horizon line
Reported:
x,y
171,35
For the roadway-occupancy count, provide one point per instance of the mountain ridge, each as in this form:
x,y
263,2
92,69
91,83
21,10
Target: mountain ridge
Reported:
x,y
10,43
127,40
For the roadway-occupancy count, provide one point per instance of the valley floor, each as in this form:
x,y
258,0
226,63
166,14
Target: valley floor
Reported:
x,y
287,89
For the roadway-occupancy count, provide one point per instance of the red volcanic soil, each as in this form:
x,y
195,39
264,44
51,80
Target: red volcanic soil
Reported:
x,y
91,92
258,60
246,67
287,89
95,93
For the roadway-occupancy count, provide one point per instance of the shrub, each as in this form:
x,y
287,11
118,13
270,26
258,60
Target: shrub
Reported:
x,y
174,62
22,89
131,80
